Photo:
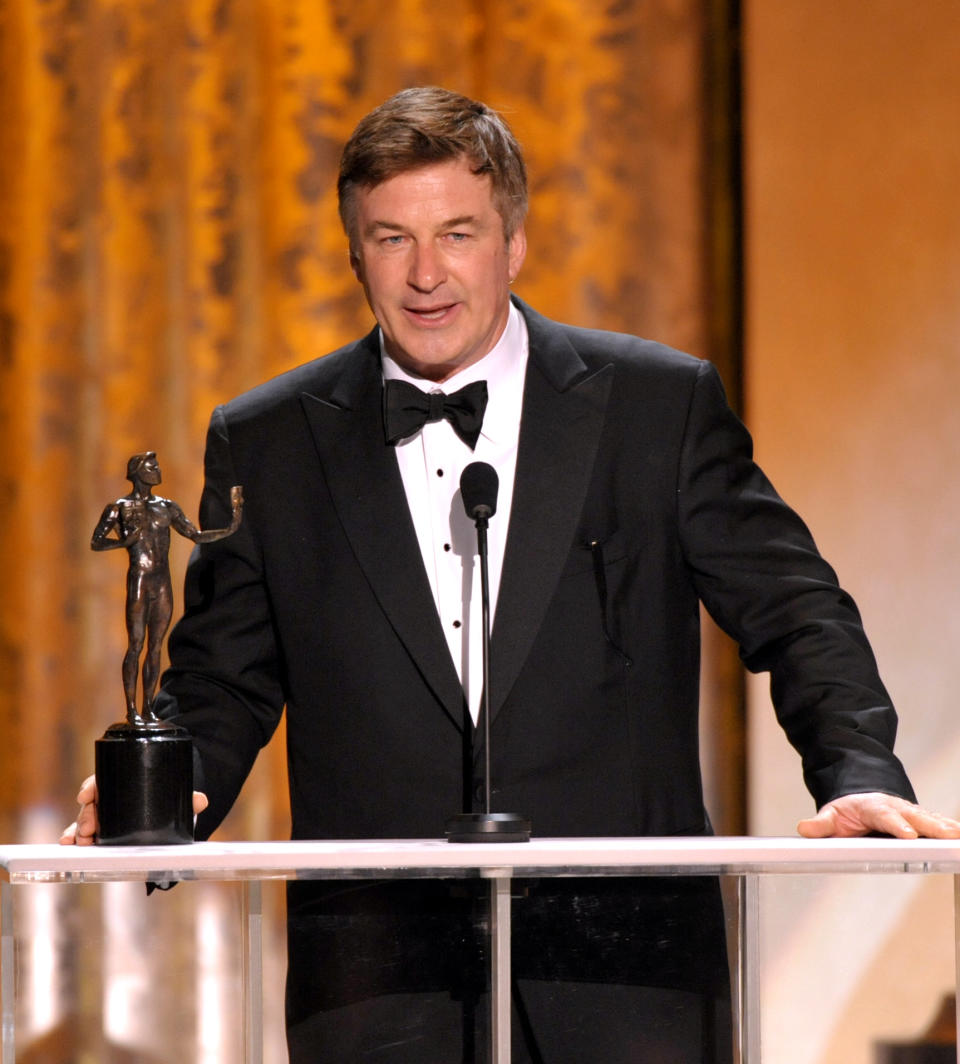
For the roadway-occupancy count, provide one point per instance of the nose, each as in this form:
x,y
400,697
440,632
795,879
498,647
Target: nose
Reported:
x,y
426,268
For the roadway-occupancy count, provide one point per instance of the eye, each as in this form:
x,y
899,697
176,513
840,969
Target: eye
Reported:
x,y
394,240
457,238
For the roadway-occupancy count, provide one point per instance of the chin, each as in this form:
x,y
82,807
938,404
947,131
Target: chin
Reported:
x,y
432,364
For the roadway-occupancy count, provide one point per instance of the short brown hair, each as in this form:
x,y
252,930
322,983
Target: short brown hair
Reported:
x,y
421,126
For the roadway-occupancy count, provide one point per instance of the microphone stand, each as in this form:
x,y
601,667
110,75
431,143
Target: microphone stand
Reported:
x,y
486,826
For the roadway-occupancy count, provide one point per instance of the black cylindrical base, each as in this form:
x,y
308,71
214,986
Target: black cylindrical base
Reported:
x,y
488,827
144,785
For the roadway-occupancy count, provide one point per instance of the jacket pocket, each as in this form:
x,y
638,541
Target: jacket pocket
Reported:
x,y
603,552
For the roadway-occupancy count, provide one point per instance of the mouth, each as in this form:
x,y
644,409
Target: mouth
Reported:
x,y
436,315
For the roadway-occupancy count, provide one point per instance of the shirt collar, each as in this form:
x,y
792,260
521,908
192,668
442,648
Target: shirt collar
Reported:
x,y
503,368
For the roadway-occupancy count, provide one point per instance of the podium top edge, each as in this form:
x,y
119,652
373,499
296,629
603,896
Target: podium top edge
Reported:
x,y
399,858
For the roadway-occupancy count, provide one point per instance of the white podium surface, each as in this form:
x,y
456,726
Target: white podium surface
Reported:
x,y
429,857
746,859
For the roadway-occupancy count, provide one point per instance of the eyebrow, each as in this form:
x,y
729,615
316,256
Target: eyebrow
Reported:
x,y
464,219
395,227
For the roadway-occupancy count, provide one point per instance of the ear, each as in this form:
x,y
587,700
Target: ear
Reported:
x,y
355,263
516,252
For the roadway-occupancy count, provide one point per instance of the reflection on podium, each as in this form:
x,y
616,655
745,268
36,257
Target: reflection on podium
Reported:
x,y
937,1044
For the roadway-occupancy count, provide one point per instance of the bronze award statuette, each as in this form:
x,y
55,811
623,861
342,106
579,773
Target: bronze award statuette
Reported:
x,y
144,765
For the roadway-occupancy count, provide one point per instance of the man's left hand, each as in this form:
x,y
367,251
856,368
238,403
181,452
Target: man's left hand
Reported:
x,y
859,814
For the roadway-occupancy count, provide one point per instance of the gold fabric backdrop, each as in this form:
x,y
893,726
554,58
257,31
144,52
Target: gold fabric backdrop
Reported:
x,y
169,237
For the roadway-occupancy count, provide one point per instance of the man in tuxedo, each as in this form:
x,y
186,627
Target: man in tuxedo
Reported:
x,y
349,596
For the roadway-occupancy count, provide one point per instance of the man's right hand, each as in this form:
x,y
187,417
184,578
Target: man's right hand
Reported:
x,y
83,831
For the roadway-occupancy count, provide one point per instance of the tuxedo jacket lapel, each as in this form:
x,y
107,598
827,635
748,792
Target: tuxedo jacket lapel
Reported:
x,y
364,480
563,416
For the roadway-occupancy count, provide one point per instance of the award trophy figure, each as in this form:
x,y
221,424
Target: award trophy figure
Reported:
x,y
144,765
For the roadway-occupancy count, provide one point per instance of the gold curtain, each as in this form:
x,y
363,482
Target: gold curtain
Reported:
x,y
169,237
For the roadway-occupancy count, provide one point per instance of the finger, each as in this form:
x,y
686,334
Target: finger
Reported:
x,y
821,826
87,825
932,825
200,802
890,821
88,791
69,836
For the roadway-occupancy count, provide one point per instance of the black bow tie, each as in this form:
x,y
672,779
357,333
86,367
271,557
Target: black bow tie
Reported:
x,y
406,409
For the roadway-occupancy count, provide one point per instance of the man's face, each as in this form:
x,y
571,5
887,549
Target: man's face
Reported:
x,y
430,253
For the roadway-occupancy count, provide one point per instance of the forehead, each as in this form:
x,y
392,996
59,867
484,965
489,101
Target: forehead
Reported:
x,y
428,194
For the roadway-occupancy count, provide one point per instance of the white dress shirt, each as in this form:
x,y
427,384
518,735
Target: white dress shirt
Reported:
x,y
431,462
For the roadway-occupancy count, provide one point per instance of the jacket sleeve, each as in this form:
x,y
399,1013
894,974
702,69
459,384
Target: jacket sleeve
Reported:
x,y
761,577
224,682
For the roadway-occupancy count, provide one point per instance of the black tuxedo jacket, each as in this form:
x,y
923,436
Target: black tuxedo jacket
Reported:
x,y
636,497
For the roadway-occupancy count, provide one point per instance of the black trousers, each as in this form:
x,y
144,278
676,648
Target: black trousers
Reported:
x,y
615,970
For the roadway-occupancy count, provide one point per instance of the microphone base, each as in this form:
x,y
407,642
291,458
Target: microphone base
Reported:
x,y
488,827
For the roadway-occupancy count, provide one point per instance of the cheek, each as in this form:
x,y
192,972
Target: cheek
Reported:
x,y
376,283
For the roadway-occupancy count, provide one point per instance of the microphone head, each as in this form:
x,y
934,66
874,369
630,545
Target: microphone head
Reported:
x,y
479,484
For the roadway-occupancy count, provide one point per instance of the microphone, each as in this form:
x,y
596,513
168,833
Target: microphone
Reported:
x,y
479,485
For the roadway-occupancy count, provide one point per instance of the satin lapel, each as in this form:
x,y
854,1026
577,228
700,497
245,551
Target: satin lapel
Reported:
x,y
364,480
563,416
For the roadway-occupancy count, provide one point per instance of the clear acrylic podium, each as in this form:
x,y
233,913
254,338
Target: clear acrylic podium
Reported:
x,y
743,861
